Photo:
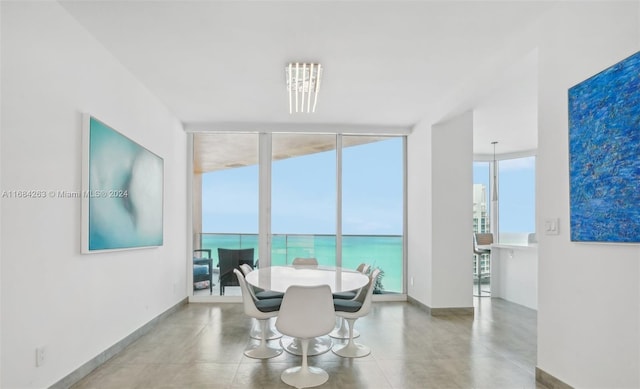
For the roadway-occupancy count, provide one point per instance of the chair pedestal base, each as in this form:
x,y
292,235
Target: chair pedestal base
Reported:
x,y
256,332
317,346
351,350
262,352
342,331
301,377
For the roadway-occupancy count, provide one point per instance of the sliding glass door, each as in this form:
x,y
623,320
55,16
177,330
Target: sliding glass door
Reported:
x,y
226,172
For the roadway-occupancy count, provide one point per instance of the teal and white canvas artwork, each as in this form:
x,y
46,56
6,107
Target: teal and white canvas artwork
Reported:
x,y
125,191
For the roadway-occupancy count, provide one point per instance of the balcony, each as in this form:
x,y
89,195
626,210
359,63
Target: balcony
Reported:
x,y
381,251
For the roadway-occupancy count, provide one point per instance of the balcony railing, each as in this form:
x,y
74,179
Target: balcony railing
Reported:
x,y
382,251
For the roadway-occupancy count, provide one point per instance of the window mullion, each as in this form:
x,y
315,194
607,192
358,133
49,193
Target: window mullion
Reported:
x,y
264,199
339,200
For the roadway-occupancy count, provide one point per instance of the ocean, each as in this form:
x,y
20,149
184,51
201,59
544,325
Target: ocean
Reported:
x,y
381,251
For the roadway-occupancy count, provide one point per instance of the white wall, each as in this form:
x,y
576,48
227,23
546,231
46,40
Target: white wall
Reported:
x,y
514,274
439,169
419,215
74,305
588,301
452,212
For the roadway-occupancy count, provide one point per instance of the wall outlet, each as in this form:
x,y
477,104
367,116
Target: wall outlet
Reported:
x,y
411,281
40,356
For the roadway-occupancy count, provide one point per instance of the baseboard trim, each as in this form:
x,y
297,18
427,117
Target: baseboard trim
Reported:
x,y
464,311
112,351
549,381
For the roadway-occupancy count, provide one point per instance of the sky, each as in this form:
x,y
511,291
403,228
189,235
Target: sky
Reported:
x,y
304,193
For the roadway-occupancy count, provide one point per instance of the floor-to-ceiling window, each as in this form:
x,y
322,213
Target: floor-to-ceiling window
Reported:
x,y
303,198
481,221
515,198
334,197
514,195
372,206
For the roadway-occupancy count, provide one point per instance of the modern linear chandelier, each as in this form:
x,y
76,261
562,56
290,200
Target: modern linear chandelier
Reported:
x,y
303,85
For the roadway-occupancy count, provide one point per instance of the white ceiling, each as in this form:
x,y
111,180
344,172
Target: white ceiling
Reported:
x,y
390,64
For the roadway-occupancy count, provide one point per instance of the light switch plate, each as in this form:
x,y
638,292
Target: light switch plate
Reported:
x,y
551,226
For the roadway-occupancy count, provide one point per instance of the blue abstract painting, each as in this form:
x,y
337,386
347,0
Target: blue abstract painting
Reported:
x,y
125,191
604,155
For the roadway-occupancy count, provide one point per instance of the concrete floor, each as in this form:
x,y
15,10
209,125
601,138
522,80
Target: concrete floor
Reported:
x,y
201,346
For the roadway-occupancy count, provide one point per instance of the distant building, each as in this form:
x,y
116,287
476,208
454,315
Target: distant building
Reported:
x,y
481,223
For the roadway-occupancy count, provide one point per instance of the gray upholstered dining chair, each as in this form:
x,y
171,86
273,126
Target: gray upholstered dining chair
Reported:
x,y
262,310
362,268
258,294
341,331
317,345
352,310
306,312
305,262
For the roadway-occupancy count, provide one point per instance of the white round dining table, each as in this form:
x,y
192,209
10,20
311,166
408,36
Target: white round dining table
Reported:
x,y
279,278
